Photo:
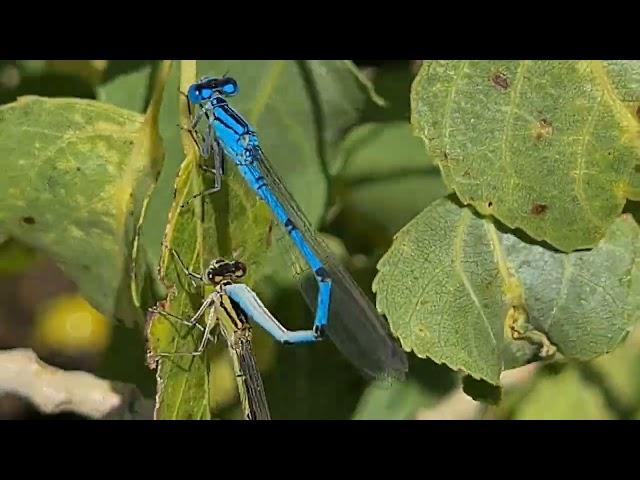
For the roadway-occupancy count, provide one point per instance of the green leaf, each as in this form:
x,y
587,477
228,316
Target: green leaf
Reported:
x,y
77,174
393,82
199,232
426,384
129,90
384,179
460,291
565,396
398,402
183,380
619,373
546,146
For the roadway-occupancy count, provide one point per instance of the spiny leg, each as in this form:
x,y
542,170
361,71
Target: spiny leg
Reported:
x,y
211,321
171,316
195,119
196,316
185,270
195,135
213,149
213,298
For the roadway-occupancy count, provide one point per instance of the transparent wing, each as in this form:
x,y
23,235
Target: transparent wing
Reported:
x,y
356,328
246,364
236,329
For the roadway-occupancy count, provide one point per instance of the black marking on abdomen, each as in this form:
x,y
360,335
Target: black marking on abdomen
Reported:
x,y
260,182
319,331
321,273
220,120
236,315
290,226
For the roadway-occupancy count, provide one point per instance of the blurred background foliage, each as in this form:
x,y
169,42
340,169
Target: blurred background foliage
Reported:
x,y
380,183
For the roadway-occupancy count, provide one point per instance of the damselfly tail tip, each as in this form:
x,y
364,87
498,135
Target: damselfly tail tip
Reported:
x,y
389,378
396,370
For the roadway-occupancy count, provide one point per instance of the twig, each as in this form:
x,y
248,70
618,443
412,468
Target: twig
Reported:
x,y
53,390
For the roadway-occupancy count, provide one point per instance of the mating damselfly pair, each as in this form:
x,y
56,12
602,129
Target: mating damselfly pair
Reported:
x,y
341,310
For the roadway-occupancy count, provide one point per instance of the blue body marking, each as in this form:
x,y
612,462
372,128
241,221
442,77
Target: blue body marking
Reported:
x,y
255,309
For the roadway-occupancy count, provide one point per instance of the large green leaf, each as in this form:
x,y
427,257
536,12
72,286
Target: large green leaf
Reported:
x,y
183,380
546,146
76,176
460,291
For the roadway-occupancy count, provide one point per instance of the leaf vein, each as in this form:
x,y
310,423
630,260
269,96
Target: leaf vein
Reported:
x,y
461,227
449,104
506,135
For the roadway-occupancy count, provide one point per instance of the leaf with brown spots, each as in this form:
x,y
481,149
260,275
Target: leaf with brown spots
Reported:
x,y
544,129
539,209
561,133
460,291
500,81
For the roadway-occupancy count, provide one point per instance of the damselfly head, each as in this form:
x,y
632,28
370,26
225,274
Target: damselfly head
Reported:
x,y
225,86
220,270
208,87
